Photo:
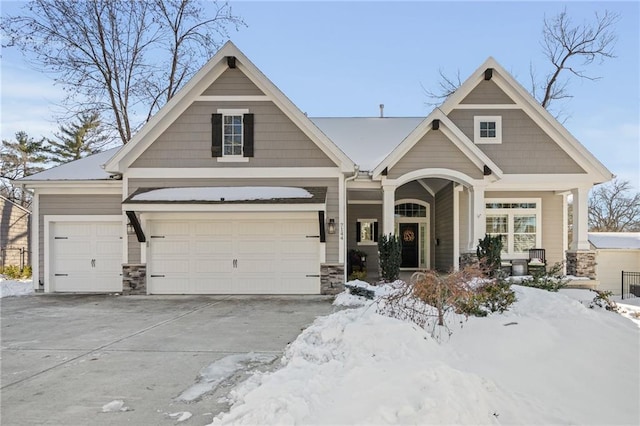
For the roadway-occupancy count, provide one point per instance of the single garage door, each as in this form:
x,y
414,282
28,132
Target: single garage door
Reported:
x,y
252,255
86,256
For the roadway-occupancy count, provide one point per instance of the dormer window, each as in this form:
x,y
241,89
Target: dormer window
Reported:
x,y
232,135
487,129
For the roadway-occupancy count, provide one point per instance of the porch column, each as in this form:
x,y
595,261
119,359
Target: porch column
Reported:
x,y
388,209
580,219
478,220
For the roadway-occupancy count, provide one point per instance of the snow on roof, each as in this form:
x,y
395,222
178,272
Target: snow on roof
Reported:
x,y
239,193
615,240
367,140
88,168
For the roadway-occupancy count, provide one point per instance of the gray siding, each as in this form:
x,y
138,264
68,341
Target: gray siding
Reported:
x,y
365,195
434,150
331,184
552,228
487,92
15,227
464,220
80,204
232,82
364,211
525,147
444,229
278,142
133,249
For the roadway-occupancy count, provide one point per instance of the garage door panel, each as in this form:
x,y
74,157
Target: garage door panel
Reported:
x,y
218,247
211,267
212,229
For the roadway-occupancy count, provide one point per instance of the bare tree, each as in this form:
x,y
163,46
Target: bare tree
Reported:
x,y
613,207
570,48
124,58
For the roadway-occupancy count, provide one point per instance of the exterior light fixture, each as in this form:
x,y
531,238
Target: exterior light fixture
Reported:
x,y
130,230
331,227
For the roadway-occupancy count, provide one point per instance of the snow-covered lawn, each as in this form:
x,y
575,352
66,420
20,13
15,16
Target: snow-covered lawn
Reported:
x,y
15,287
548,360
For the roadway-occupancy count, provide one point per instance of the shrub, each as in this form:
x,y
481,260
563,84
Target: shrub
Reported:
x,y
489,252
358,274
390,252
602,300
13,272
551,280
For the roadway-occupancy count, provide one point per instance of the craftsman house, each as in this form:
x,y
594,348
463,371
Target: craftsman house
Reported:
x,y
231,189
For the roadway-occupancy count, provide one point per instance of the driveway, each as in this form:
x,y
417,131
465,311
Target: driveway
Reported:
x,y
64,357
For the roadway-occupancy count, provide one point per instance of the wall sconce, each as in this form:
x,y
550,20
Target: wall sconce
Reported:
x,y
130,230
331,226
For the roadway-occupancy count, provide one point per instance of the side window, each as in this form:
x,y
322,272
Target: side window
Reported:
x,y
487,129
367,231
232,135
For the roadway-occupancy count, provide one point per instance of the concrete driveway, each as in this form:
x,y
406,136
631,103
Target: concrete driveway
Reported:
x,y
65,356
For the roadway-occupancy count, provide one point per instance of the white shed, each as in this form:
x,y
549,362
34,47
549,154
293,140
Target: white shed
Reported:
x,y
615,252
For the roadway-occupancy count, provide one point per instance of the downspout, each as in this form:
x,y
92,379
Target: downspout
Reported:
x,y
346,208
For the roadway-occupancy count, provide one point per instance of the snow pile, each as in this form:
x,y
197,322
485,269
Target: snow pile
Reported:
x,y
15,287
114,406
181,416
215,373
549,360
239,193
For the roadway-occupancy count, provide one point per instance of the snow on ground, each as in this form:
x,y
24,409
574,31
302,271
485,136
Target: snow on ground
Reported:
x,y
548,360
15,287
238,193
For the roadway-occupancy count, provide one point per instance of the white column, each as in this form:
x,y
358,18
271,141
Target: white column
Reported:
x,y
388,209
478,220
342,219
35,240
580,219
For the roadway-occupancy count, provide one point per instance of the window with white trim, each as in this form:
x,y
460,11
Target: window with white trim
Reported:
x,y
517,222
231,135
487,129
367,231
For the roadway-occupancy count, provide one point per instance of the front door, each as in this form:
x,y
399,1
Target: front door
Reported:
x,y
409,241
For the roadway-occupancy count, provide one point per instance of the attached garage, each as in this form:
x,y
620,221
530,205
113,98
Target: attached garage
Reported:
x,y
234,253
83,254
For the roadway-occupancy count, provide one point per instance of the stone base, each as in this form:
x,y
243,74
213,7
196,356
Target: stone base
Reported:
x,y
468,259
331,278
582,263
134,278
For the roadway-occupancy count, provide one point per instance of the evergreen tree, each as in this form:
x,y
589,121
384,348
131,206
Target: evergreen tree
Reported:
x,y
78,139
22,157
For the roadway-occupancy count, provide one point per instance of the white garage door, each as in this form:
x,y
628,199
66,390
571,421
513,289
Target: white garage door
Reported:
x,y
252,255
85,256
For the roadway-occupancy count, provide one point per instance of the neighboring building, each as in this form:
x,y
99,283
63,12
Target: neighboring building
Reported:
x,y
15,231
275,199
615,252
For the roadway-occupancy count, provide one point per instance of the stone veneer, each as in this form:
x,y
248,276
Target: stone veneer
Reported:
x,y
134,278
331,278
468,259
581,263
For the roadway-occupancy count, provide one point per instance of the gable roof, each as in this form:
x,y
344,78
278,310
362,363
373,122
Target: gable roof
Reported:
x,y
87,168
535,111
522,98
197,85
452,132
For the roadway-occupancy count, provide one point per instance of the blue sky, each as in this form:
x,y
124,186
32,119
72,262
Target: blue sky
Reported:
x,y
346,58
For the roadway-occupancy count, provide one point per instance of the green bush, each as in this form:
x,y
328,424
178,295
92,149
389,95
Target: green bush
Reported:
x,y
390,252
602,300
489,253
358,274
13,272
551,280
493,296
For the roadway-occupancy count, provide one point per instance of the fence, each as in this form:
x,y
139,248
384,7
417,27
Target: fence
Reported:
x,y
630,284
20,254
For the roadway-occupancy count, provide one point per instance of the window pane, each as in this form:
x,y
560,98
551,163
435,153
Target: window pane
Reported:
x,y
524,224
497,224
232,135
523,242
366,231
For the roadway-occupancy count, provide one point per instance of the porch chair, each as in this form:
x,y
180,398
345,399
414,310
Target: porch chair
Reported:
x,y
537,260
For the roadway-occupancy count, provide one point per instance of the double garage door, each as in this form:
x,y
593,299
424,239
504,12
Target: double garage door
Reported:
x,y
85,256
243,254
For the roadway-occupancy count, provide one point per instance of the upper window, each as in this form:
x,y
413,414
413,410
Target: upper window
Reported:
x,y
517,222
487,129
232,135
410,210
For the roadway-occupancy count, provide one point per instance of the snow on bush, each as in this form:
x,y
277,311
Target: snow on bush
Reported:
x,y
548,360
15,287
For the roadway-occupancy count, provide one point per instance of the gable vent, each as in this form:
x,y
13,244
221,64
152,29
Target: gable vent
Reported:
x,y
231,61
488,73
435,124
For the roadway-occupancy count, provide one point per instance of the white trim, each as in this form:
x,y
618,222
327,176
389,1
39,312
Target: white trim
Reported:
x,y
487,106
448,174
364,202
213,208
80,190
542,182
49,219
372,241
477,119
35,240
232,98
565,229
511,212
342,220
427,187
419,220
364,184
57,185
235,172
457,189
232,159
233,111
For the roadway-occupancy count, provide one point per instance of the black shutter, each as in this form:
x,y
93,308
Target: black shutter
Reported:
x,y
323,236
358,232
216,135
375,232
248,135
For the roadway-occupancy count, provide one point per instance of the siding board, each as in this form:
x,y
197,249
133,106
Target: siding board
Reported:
x,y
232,82
487,92
444,228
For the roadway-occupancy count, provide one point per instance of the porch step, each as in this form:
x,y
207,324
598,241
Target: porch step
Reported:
x,y
583,284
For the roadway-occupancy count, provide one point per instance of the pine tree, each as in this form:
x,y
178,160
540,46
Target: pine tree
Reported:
x,y
22,157
78,139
